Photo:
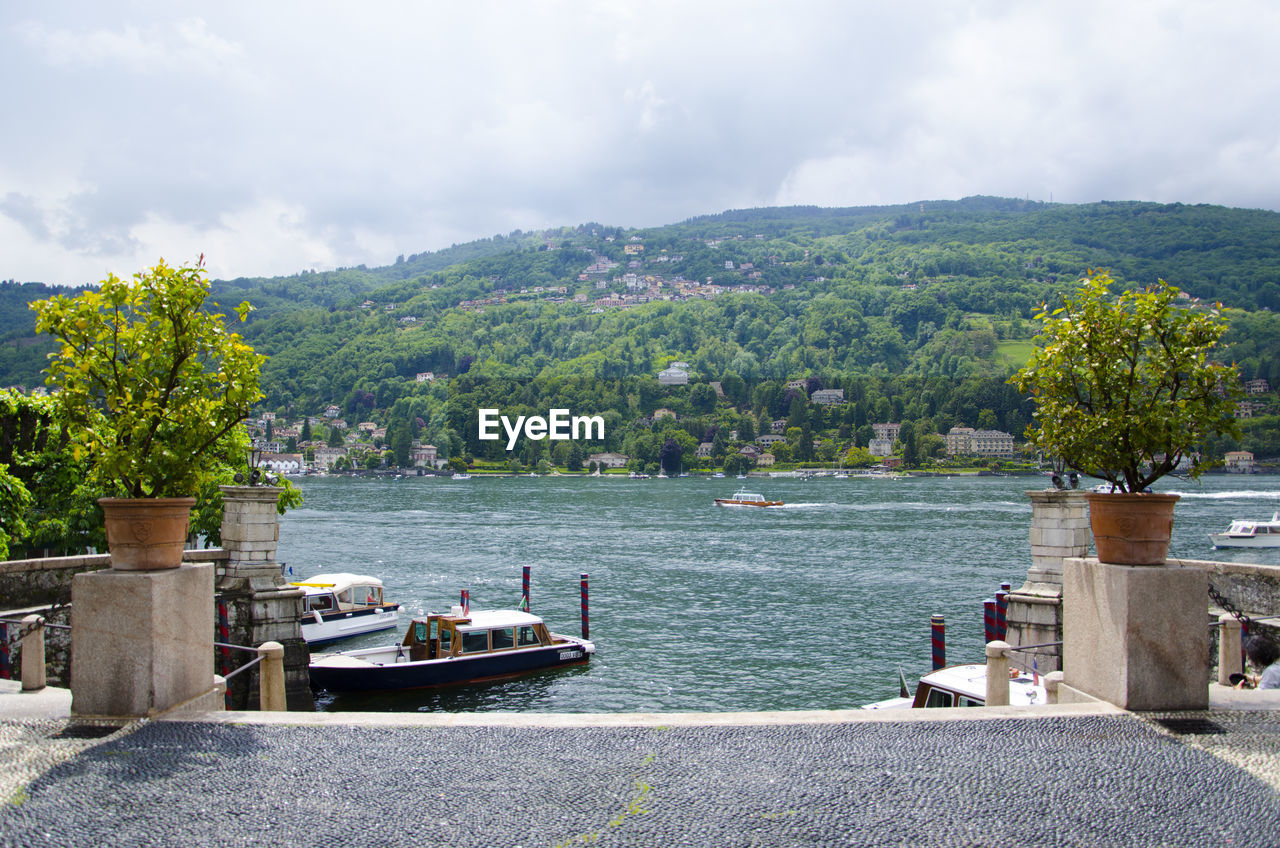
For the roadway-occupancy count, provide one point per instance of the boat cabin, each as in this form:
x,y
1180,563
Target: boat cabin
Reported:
x,y
340,592
436,636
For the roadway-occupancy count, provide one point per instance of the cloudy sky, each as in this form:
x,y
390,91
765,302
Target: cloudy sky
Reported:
x,y
277,136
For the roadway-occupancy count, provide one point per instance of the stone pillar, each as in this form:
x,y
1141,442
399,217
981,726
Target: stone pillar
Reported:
x,y
142,642
1059,529
997,674
33,671
260,606
1136,635
1230,660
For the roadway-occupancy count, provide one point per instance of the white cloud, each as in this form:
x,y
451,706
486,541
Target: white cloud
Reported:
x,y
295,135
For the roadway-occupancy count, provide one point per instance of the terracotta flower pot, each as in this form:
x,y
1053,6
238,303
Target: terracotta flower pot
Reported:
x,y
146,534
1131,529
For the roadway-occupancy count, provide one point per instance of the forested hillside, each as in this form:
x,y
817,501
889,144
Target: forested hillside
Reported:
x,y
920,311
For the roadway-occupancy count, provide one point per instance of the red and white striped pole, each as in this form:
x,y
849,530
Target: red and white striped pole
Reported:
x,y
586,626
938,628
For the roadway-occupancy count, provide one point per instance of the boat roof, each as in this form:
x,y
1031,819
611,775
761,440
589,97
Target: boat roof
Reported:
x,y
971,680
335,582
486,619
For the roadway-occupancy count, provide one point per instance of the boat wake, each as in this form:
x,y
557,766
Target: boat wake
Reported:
x,y
1235,494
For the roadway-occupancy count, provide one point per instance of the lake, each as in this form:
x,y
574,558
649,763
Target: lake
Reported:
x,y
814,605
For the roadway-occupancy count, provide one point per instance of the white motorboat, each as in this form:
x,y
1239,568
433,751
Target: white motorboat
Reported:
x,y
1246,533
340,605
965,686
744,498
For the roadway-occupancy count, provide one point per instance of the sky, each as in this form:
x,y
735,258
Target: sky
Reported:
x,y
279,136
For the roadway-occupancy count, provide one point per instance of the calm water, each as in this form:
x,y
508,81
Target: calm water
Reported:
x,y
697,607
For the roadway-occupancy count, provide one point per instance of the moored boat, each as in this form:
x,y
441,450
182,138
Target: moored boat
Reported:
x,y
744,498
1245,533
339,605
454,648
964,686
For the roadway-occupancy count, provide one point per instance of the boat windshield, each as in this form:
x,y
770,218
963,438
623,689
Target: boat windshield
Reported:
x,y
526,636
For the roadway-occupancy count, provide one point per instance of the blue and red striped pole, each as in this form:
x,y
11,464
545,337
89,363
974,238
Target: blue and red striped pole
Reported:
x,y
938,628
224,636
1002,608
5,672
524,591
989,620
586,626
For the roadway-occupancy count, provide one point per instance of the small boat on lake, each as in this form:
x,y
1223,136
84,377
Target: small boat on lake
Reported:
x,y
443,650
744,498
964,686
1246,533
460,476
339,605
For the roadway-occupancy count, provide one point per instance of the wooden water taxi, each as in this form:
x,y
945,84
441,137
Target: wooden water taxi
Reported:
x,y
339,605
744,498
442,650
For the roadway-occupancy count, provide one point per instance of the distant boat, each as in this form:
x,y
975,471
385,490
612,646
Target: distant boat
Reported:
x,y
744,498
1245,533
460,476
636,476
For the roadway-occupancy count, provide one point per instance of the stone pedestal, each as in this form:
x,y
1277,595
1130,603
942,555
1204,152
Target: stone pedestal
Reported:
x,y
1135,635
142,641
256,605
1059,529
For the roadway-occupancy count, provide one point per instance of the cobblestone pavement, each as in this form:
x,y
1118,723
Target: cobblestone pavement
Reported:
x,y
1090,780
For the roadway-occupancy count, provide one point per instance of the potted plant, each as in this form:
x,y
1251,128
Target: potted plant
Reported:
x,y
155,388
1124,391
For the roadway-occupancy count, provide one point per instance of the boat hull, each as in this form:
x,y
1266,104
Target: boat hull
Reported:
x,y
364,675
732,502
339,624
1222,540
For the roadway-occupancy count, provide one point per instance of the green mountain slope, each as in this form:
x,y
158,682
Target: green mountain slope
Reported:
x,y
921,295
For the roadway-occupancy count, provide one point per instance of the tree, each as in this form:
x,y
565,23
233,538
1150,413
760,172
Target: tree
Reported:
x,y
576,455
1124,387
154,385
907,441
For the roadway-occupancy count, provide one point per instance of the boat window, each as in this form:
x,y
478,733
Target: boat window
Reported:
x,y
475,640
503,637
939,698
319,602
344,596
446,638
969,702
526,636
419,631
368,594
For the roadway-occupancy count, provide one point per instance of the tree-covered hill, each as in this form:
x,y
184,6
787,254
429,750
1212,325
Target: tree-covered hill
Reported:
x,y
920,295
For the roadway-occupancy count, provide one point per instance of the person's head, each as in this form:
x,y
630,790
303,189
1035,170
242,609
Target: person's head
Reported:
x,y
1261,651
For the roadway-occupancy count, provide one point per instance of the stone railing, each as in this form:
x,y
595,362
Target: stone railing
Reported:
x,y
44,582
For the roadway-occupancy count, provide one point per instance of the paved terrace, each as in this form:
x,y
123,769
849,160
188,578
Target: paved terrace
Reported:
x,y
1088,775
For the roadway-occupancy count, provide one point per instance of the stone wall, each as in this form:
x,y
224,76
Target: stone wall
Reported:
x,y
43,587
